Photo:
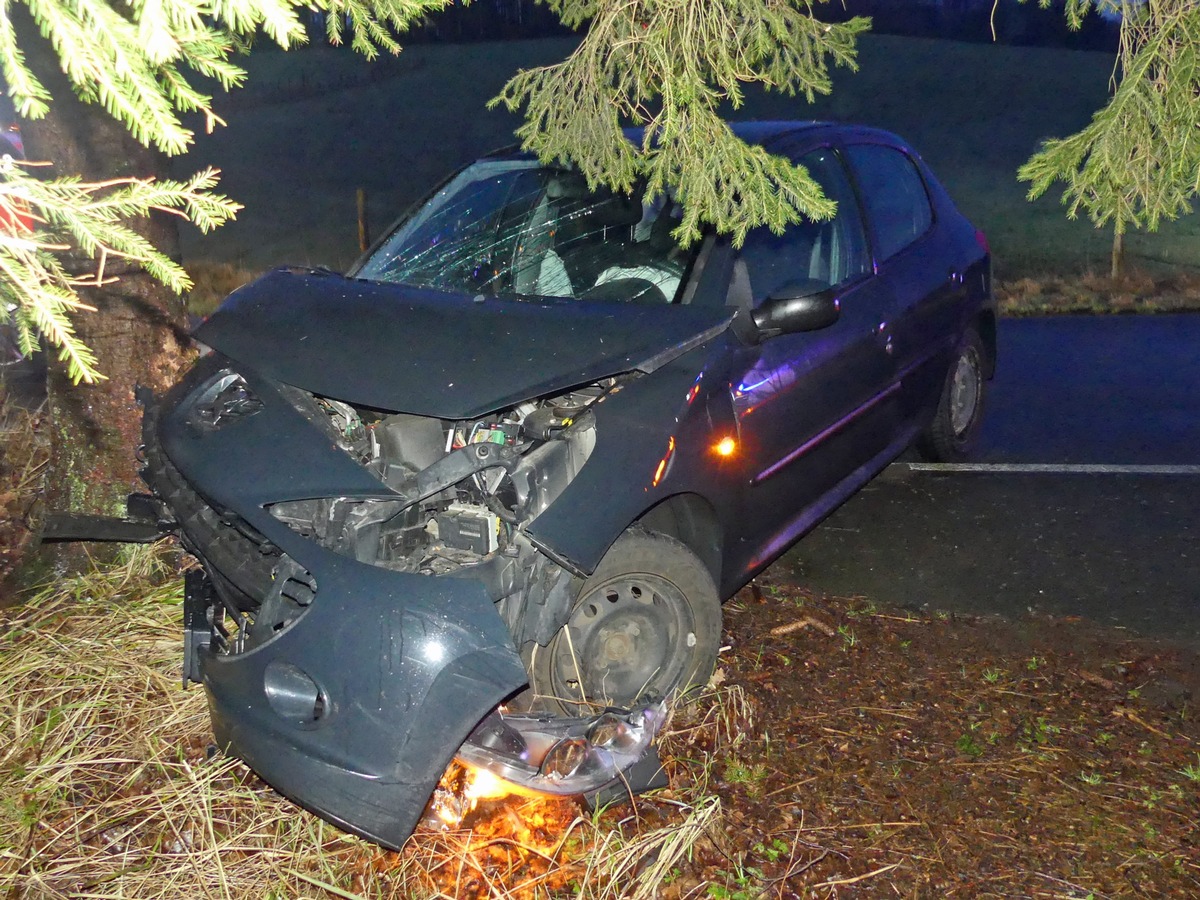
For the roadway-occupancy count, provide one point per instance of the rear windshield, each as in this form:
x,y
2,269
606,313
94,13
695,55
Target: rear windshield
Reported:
x,y
516,227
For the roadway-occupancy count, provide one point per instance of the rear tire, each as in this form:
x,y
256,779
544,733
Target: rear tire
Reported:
x,y
646,624
954,432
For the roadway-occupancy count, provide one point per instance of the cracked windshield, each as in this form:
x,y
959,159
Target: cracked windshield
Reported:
x,y
513,227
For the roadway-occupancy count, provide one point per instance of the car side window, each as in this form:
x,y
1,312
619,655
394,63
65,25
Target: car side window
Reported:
x,y
826,253
894,196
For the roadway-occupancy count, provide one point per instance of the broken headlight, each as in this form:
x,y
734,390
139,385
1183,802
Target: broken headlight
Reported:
x,y
221,400
555,755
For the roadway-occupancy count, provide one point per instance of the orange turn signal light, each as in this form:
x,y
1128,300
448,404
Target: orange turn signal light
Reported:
x,y
727,446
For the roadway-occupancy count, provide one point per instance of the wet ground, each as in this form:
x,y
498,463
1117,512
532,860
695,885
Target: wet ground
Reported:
x,y
1085,503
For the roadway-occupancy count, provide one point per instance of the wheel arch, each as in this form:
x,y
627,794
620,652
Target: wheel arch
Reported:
x,y
985,324
691,520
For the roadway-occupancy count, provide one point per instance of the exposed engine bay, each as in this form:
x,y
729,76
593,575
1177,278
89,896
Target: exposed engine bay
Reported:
x,y
464,489
454,498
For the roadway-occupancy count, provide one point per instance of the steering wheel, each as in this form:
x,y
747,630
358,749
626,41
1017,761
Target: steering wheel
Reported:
x,y
626,290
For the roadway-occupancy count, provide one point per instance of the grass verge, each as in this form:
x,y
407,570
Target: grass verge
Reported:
x,y
842,750
1088,294
1139,291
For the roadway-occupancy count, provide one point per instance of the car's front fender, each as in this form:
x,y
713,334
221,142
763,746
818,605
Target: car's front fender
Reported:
x,y
400,669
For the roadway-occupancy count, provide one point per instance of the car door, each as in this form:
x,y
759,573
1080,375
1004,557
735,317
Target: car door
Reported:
x,y
913,255
814,410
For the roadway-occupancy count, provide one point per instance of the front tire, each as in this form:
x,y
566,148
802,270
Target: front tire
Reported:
x,y
646,624
954,432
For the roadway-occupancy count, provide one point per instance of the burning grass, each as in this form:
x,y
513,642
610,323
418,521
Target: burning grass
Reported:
x,y
841,751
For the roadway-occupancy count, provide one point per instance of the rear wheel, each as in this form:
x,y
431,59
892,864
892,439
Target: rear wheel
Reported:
x,y
954,431
647,623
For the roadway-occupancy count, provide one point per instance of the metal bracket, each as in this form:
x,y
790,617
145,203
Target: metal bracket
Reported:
x,y
198,598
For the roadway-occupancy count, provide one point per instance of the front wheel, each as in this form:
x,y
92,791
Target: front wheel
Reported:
x,y
646,624
954,432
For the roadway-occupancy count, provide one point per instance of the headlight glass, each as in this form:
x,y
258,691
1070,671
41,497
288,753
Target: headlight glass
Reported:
x,y
222,400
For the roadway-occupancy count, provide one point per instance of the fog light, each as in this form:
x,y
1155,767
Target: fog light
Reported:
x,y
293,694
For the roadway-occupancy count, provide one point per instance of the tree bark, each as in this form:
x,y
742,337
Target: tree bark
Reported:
x,y
138,329
1117,261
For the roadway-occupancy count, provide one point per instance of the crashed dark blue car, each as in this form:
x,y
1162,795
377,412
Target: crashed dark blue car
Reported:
x,y
482,496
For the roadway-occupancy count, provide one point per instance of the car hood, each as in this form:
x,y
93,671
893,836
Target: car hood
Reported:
x,y
439,354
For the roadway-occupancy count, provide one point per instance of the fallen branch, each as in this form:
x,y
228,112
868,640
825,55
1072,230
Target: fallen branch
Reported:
x,y
806,622
839,881
1122,712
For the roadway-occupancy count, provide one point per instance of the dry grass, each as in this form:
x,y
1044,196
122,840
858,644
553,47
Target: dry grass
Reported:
x,y
1137,292
111,791
212,283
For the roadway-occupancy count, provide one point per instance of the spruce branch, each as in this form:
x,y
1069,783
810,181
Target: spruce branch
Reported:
x,y
132,59
668,67
1138,161
40,219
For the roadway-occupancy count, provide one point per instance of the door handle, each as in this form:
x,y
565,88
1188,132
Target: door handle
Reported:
x,y
883,330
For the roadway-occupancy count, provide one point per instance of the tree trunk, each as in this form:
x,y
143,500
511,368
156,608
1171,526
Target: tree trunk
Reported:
x,y
1117,262
138,328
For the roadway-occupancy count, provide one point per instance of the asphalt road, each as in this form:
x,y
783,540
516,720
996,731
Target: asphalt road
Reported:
x,y
1085,503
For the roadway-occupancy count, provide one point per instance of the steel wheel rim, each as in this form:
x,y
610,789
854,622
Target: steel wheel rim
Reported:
x,y
630,637
964,392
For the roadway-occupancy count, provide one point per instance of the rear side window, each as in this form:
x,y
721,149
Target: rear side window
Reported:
x,y
893,194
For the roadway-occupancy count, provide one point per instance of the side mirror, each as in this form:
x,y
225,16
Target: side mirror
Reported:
x,y
804,305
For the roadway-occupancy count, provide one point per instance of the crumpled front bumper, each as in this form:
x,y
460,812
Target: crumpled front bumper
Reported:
x,y
395,704
354,704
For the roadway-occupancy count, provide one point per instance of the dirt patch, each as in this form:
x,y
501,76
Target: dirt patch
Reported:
x,y
895,755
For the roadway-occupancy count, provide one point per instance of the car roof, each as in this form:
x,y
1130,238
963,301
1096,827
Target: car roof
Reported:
x,y
768,132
